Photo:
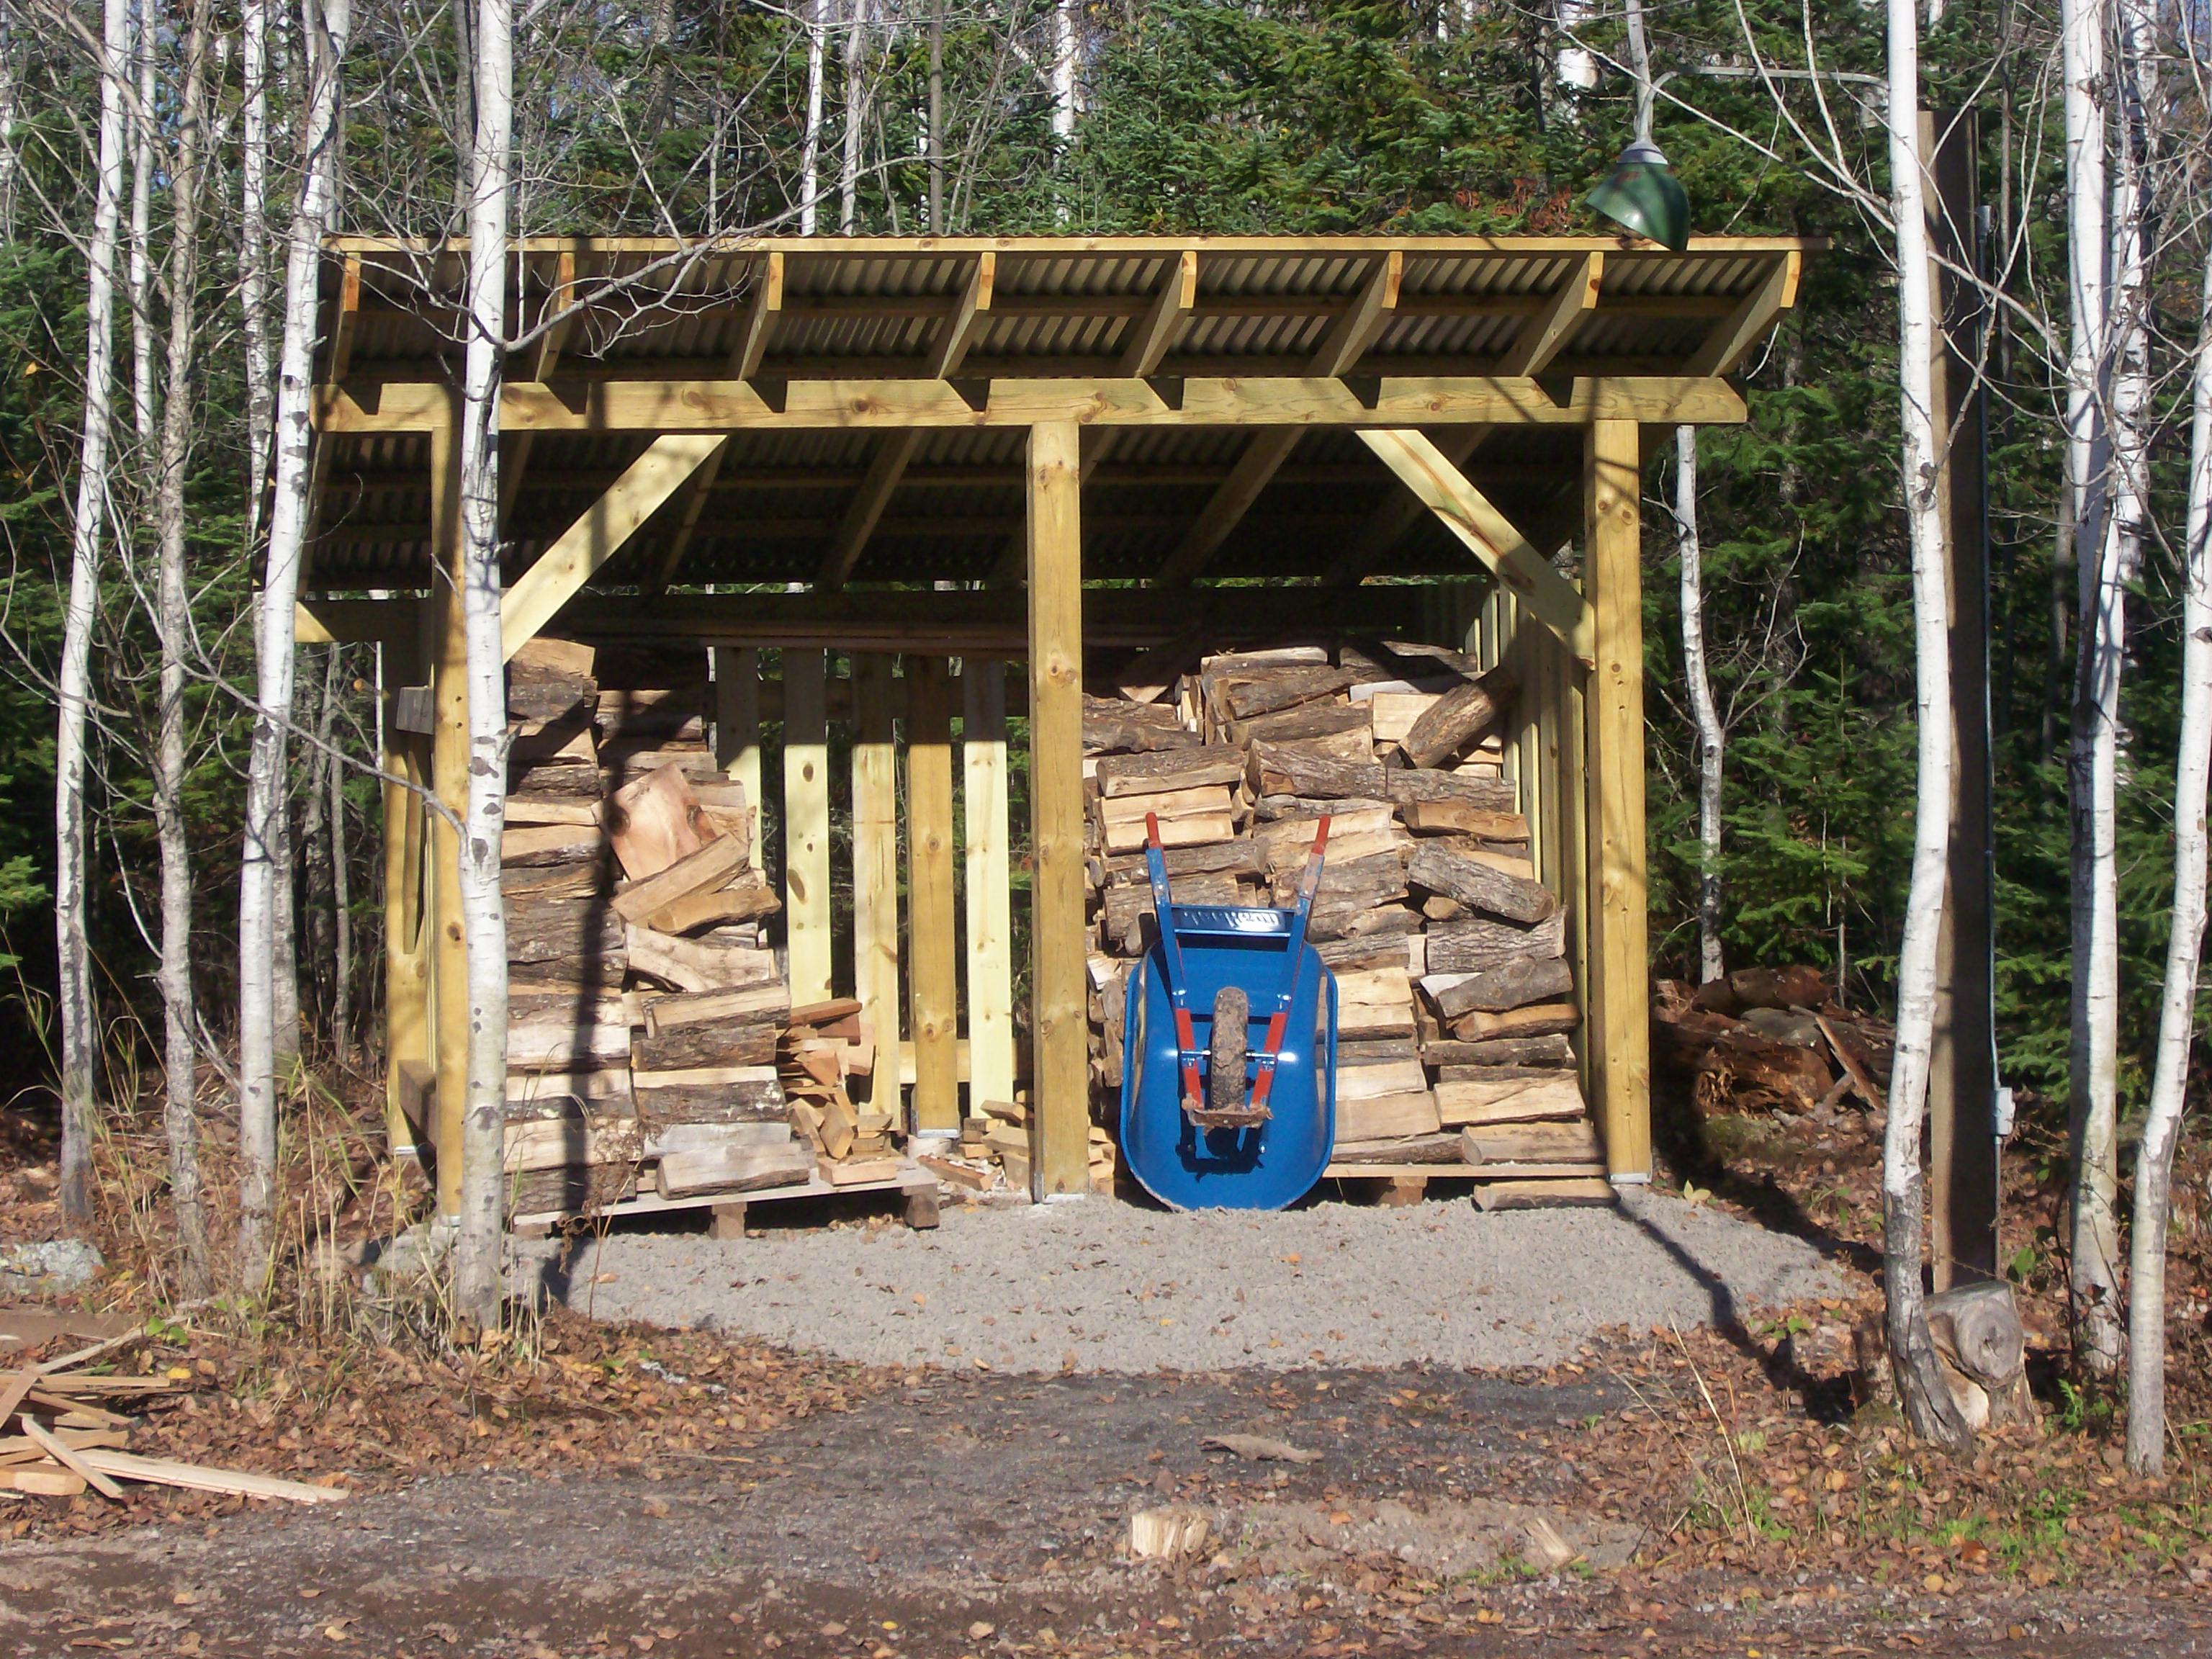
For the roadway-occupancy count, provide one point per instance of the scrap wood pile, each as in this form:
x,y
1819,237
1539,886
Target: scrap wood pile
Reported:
x,y
1456,998
1771,1037
653,1047
994,1151
64,1428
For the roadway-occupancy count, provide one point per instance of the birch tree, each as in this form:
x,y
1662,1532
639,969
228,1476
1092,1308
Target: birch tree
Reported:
x,y
478,1276
173,623
324,28
80,1037
140,269
810,151
253,250
2092,759
1712,738
1928,1405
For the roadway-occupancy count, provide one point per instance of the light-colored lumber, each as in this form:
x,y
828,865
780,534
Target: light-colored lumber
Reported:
x,y
449,762
967,319
604,530
864,510
761,314
1149,338
1486,532
62,1453
806,823
1061,1073
875,943
860,1171
166,1472
1746,325
737,727
989,871
933,969
1618,972
41,1480
1543,335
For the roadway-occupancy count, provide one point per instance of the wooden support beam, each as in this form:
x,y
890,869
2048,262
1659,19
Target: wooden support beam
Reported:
x,y
358,621
1746,325
806,824
1347,343
449,780
1542,336
737,727
1156,332
695,505
605,527
543,359
866,509
691,406
989,882
933,960
1394,521
339,364
1487,533
1618,989
967,319
406,959
1059,1074
875,864
761,313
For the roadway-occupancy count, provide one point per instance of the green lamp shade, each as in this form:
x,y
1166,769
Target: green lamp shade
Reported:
x,y
1643,194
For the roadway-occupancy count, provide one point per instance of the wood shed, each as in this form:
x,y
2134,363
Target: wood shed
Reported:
x,y
857,495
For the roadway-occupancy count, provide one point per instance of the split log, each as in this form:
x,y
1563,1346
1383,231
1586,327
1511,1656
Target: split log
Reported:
x,y
1529,1051
715,1043
1455,720
733,1169
1460,818
1512,984
1373,881
1572,1142
1420,1149
1750,1067
770,1000
561,881
1397,1077
1289,768
1538,1019
1313,719
565,1036
1268,809
1858,1058
1591,1192
1162,770
1349,919
1478,944
1405,784
1441,869
684,964
655,822
1217,858
548,930
746,899
533,810
1284,842
547,679
1192,829
1113,727
537,845
703,870
761,1101
1243,698
1388,1116
1509,1100
664,712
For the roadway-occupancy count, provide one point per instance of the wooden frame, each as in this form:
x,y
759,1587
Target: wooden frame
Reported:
x,y
1427,349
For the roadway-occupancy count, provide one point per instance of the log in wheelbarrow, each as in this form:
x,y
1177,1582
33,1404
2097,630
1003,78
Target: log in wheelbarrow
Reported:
x,y
1210,1119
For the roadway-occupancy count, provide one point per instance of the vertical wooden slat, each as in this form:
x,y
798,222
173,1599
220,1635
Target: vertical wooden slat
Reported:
x,y
1060,1079
990,903
449,779
806,823
737,727
406,966
934,959
875,868
1569,833
1612,714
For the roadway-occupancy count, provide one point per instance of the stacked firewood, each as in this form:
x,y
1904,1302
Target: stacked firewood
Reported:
x,y
1455,998
1769,1038
647,1017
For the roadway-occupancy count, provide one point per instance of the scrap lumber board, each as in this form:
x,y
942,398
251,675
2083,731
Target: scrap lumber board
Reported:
x,y
912,1181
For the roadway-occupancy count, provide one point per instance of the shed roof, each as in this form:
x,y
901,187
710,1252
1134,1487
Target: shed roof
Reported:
x,y
866,309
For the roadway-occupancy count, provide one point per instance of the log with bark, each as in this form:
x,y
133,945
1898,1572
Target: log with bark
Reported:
x,y
1292,768
1451,725
1442,868
1511,984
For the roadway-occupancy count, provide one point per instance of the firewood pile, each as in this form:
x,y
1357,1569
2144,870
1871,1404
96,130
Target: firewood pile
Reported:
x,y
651,1046
1769,1038
1456,999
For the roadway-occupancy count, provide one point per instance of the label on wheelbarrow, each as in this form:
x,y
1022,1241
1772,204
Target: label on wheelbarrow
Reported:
x,y
1230,919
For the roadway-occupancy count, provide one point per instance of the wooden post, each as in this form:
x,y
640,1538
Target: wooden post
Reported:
x,y
1060,1080
990,903
806,823
1617,988
406,964
933,963
875,868
737,727
449,779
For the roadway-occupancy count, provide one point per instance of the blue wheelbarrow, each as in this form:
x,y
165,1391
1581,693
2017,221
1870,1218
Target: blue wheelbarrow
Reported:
x,y
1209,1120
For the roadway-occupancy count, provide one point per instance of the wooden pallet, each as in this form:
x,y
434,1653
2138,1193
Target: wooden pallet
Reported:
x,y
1408,1183
916,1185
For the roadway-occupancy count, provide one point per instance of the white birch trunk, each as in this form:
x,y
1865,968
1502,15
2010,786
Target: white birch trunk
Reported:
x,y
479,1280
10,100
1713,738
1064,68
2093,1072
79,1036
810,157
1928,1405
253,250
2192,776
141,267
323,28
172,622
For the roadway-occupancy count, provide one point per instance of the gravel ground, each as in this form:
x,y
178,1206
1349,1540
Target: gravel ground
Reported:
x,y
1100,1287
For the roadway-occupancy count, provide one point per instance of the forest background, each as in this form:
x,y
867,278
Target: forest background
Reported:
x,y
1155,116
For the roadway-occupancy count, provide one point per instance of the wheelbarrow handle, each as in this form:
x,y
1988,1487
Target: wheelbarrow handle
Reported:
x,y
1156,867
1263,1076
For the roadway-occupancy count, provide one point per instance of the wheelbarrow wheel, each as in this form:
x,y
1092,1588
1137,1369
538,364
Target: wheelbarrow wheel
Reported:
x,y
1224,1083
